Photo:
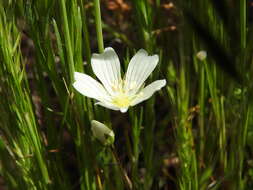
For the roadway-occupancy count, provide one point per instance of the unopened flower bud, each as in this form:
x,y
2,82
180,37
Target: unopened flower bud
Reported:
x,y
201,55
101,132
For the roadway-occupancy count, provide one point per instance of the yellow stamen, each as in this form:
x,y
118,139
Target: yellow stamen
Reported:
x,y
122,100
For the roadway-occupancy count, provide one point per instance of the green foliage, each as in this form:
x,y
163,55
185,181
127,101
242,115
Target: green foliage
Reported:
x,y
196,133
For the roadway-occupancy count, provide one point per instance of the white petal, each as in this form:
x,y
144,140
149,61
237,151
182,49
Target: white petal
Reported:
x,y
106,67
148,91
89,87
107,105
139,69
123,110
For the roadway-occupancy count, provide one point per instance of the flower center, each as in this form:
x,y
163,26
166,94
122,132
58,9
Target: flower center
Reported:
x,y
123,96
121,100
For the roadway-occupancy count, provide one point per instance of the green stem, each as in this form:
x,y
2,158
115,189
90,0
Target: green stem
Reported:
x,y
136,121
202,111
99,26
243,23
245,108
68,41
86,34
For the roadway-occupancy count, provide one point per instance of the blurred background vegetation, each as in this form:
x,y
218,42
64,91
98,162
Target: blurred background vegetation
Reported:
x,y
196,133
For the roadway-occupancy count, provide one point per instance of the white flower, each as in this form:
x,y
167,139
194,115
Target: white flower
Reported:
x,y
117,93
102,133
